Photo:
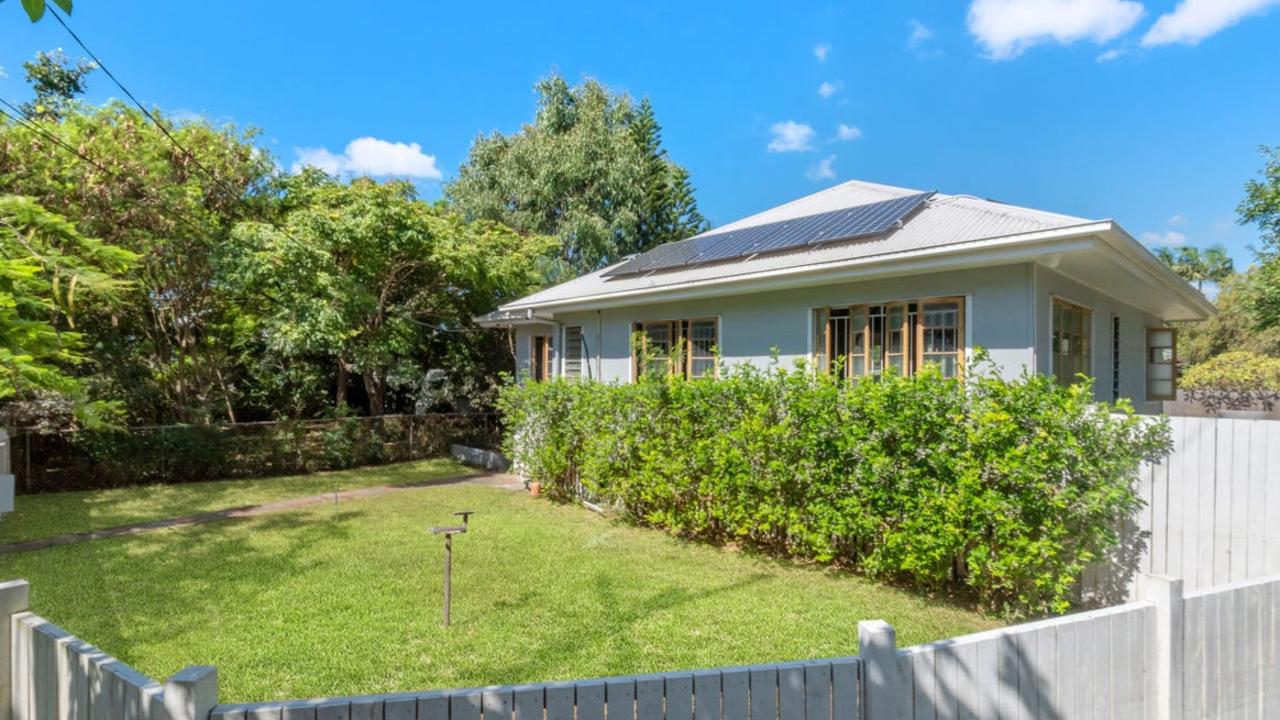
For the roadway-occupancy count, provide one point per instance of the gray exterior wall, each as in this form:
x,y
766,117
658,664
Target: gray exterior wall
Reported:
x,y
1007,311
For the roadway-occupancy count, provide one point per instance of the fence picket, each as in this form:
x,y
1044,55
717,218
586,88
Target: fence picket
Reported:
x,y
764,694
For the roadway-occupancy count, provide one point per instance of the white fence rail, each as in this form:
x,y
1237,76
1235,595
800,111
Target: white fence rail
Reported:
x,y
1207,654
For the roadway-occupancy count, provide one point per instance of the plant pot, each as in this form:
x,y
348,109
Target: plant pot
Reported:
x,y
535,489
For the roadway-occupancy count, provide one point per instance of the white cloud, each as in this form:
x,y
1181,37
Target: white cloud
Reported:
x,y
1169,237
827,89
1109,55
919,34
847,132
791,136
1194,20
824,170
371,156
1007,28
821,50
1178,219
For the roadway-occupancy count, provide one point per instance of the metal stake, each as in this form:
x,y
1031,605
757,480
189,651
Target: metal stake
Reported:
x,y
448,576
449,532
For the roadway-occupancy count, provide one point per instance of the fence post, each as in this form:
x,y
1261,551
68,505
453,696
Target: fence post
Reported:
x,y
881,680
13,600
1169,666
191,693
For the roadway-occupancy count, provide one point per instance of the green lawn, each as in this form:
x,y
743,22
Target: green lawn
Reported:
x,y
345,599
40,516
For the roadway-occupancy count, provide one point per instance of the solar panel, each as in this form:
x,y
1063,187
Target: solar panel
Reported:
x,y
843,224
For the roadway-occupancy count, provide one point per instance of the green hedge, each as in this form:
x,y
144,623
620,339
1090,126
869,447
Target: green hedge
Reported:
x,y
1006,488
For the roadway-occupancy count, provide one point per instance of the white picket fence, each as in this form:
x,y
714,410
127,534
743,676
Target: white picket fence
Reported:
x,y
1210,653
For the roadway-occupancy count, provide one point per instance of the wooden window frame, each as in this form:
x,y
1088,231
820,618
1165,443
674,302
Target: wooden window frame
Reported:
x,y
860,324
689,357
960,329
1173,363
1087,334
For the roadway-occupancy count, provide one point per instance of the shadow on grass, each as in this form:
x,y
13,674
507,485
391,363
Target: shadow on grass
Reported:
x,y
616,624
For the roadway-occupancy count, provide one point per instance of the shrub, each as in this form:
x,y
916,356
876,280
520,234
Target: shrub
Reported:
x,y
1008,488
1234,380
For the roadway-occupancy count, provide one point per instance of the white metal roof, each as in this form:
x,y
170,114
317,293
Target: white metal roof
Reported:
x,y
944,220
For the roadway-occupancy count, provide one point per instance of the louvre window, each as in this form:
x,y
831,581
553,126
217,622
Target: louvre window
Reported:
x,y
573,351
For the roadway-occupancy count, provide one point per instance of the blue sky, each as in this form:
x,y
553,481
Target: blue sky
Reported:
x,y
1148,112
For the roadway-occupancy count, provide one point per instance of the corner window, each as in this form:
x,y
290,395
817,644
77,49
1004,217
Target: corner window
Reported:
x,y
1071,341
1162,359
573,351
684,347
897,337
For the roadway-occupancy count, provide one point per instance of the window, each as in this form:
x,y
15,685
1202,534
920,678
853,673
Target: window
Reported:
x,y
702,348
686,347
573,351
897,337
1070,341
1115,358
540,357
1162,359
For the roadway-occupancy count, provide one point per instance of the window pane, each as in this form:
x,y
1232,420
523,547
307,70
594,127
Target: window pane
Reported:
x,y
703,367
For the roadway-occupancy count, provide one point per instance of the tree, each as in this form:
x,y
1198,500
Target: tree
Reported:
x,y
1197,266
380,283
49,272
35,8
165,350
590,169
1261,207
56,82
1232,328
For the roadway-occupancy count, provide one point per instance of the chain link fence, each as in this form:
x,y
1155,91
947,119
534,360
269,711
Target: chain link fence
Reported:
x,y
47,461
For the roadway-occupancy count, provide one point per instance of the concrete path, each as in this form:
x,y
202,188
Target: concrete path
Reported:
x,y
498,480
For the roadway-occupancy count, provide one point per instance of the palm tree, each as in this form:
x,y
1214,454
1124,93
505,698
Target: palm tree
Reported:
x,y
1195,265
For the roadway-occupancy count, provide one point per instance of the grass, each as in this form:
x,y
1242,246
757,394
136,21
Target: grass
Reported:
x,y
345,599
41,516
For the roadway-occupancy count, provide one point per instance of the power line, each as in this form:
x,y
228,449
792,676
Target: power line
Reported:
x,y
145,111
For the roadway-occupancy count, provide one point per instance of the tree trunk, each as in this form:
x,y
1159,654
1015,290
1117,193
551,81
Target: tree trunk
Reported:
x,y
376,388
340,396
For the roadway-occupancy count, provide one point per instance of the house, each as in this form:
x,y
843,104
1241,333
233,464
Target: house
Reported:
x,y
863,279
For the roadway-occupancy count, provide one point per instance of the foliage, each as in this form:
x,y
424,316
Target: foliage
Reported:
x,y
372,280
303,603
1007,487
590,169
56,83
35,8
1261,207
1234,380
1195,265
50,274
1233,327
163,351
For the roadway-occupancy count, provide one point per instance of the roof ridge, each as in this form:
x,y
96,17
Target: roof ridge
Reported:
x,y
824,191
